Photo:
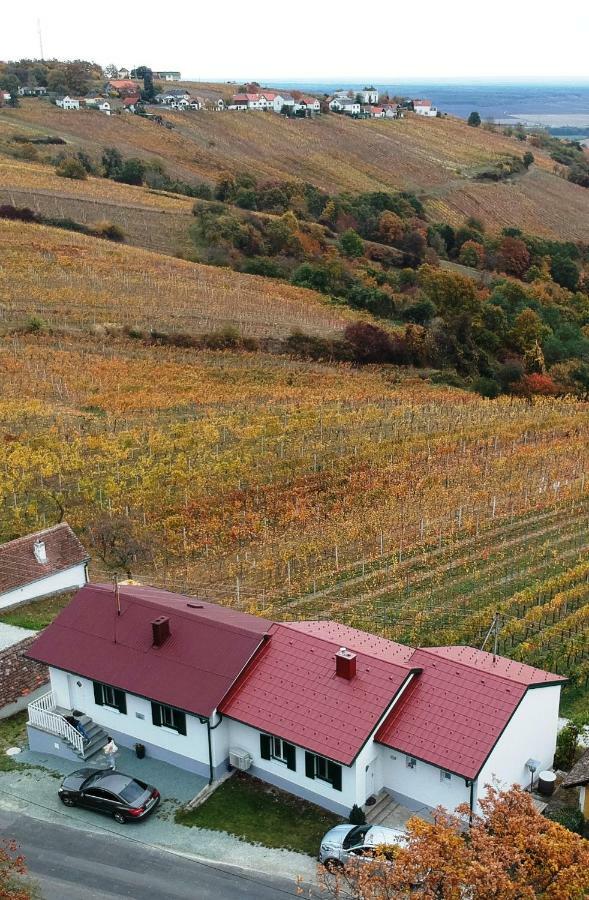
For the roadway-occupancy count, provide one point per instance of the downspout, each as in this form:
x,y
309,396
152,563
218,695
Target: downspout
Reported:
x,y
202,720
471,801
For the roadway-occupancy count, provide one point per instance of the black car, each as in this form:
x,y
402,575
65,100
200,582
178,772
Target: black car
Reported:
x,y
120,796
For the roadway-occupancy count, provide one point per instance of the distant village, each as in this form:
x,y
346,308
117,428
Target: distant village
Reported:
x,y
125,94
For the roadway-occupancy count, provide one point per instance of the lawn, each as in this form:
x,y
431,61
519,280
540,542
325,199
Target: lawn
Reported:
x,y
13,733
38,614
261,814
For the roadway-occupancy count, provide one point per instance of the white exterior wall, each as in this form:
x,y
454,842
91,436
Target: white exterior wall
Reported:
x,y
246,738
75,577
421,786
193,745
531,734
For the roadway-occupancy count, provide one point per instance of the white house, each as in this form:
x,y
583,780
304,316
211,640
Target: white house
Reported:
x,y
424,108
67,103
100,104
345,105
167,98
392,111
329,713
308,106
367,95
123,74
47,562
167,76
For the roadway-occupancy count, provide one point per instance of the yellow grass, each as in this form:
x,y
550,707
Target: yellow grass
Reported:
x,y
70,280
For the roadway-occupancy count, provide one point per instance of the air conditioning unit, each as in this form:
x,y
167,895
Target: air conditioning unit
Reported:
x,y
240,759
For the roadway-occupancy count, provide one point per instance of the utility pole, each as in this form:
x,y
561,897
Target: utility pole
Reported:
x,y
40,38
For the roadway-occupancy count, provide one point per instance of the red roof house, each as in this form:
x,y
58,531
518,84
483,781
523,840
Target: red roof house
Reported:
x,y
40,564
326,711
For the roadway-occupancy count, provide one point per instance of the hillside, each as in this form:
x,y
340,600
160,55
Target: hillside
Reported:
x,y
437,158
69,280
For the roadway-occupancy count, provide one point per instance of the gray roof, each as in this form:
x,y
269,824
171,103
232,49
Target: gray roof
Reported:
x,y
579,774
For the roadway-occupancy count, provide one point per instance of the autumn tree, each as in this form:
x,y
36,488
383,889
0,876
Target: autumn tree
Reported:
x,y
508,852
472,254
117,543
452,294
528,329
390,227
12,869
513,256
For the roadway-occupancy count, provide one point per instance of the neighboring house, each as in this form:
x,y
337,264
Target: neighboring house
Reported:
x,y
28,91
21,679
167,98
308,106
67,103
579,777
367,95
167,76
424,108
100,104
327,712
40,564
122,87
345,105
130,104
393,112
123,75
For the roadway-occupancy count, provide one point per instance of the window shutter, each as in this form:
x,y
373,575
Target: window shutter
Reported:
x,y
309,764
334,774
290,754
265,746
156,713
121,701
180,720
98,693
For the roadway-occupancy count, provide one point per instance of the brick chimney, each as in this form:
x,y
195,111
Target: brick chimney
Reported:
x,y
161,630
345,664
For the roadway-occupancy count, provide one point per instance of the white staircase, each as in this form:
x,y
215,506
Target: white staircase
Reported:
x,y
45,715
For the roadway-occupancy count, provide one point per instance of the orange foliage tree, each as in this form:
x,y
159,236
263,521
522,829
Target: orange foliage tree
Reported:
x,y
12,868
510,852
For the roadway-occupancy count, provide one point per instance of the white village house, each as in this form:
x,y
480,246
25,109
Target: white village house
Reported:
x,y
425,108
40,564
327,712
67,102
345,105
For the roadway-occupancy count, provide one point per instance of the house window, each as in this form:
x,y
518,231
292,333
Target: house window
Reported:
x,y
445,777
168,717
323,769
276,748
106,695
410,762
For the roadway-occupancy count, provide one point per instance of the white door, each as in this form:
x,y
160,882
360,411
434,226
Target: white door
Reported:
x,y
77,694
371,778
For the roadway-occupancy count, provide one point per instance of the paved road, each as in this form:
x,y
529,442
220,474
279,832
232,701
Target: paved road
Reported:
x,y
73,864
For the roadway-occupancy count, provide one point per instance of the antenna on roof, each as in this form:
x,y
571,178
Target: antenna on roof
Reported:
x,y
493,630
117,593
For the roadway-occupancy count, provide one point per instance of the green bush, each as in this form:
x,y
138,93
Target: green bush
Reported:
x,y
487,387
571,819
357,816
71,168
566,746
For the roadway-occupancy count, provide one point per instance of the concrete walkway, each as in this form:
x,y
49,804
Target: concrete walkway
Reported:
x,y
33,791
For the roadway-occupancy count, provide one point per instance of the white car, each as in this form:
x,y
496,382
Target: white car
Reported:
x,y
345,842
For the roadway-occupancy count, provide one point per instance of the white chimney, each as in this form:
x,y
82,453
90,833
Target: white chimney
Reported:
x,y
40,552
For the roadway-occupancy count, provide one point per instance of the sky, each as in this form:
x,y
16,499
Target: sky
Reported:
x,y
311,40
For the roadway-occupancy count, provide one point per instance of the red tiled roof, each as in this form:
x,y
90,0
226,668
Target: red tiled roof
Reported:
x,y
193,670
19,566
291,690
307,100
422,102
452,715
130,101
498,665
244,98
356,640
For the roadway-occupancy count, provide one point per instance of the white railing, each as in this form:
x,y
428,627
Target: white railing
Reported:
x,y
42,715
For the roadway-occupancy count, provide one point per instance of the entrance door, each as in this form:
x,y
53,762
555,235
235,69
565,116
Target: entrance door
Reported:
x,y
371,778
76,690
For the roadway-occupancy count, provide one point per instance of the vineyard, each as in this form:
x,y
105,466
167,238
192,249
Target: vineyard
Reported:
x,y
437,158
68,280
305,490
